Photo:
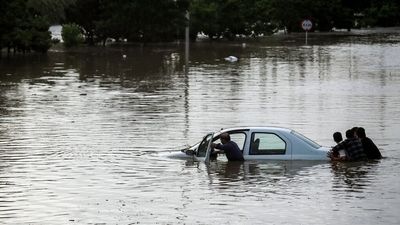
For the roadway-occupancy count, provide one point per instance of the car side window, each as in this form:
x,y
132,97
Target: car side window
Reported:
x,y
239,138
267,144
202,149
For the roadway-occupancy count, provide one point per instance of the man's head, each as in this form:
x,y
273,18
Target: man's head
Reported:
x,y
349,134
354,130
337,137
361,132
225,138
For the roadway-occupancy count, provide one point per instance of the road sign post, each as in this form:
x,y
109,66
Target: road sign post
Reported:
x,y
306,25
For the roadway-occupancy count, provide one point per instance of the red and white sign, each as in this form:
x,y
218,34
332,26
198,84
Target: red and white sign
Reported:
x,y
306,25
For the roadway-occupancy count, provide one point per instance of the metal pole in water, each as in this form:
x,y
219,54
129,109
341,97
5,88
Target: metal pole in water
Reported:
x,y
187,41
306,25
306,37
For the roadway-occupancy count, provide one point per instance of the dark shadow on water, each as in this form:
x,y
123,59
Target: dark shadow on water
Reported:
x,y
353,176
256,171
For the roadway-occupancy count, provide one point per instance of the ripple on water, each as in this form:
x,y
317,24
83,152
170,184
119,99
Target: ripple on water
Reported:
x,y
84,139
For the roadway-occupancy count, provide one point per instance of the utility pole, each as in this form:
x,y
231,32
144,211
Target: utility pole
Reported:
x,y
187,41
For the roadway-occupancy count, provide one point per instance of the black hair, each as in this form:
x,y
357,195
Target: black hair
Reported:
x,y
337,137
354,129
225,136
361,132
350,133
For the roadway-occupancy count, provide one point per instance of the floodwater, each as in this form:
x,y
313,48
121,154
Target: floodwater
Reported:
x,y
86,135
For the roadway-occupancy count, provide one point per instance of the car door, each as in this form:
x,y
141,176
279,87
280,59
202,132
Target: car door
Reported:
x,y
268,144
204,149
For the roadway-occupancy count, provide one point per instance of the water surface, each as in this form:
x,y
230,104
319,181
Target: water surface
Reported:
x,y
85,135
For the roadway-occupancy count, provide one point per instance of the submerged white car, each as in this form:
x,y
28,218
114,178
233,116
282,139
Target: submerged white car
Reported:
x,y
262,143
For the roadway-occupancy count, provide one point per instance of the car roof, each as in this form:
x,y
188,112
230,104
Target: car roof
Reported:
x,y
274,128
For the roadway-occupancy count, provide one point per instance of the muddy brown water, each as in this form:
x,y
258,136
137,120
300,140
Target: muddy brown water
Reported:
x,y
86,135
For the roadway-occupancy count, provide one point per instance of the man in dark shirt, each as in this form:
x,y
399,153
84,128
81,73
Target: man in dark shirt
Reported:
x,y
369,146
341,153
230,148
352,146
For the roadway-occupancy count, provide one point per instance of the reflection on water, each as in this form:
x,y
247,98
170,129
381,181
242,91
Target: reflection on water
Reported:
x,y
84,135
353,176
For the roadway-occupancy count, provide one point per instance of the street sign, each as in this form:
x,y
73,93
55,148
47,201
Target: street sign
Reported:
x,y
306,25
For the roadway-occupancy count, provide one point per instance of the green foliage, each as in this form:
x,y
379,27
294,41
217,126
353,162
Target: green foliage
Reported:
x,y
383,13
232,18
72,35
54,10
140,20
22,27
204,17
86,14
41,36
24,23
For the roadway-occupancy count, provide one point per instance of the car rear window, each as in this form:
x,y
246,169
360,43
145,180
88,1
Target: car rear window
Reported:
x,y
306,139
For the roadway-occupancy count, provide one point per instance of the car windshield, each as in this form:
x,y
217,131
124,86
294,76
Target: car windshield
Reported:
x,y
203,146
306,139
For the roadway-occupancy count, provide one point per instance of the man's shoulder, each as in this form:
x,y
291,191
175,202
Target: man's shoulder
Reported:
x,y
233,144
368,140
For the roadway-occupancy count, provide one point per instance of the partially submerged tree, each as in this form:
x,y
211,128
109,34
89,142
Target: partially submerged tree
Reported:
x,y
24,24
71,35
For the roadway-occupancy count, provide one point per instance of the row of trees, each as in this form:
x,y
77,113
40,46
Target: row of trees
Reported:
x,y
24,23
152,20
228,18
22,27
135,20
